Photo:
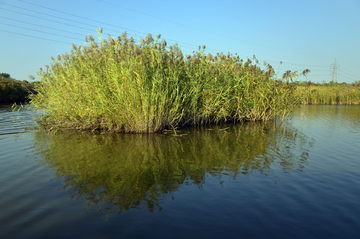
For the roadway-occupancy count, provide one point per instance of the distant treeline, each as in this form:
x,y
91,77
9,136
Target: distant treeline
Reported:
x,y
14,91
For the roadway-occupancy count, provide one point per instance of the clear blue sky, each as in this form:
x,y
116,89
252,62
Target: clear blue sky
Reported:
x,y
302,34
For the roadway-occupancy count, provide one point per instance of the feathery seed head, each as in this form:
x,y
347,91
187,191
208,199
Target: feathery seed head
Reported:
x,y
149,39
137,50
158,36
31,77
90,38
163,43
141,40
52,58
286,74
179,54
305,72
73,47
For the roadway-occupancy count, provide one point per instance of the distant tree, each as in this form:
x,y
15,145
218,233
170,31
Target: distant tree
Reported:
x,y
5,75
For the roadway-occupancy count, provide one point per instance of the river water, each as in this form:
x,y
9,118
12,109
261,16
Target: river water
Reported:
x,y
294,179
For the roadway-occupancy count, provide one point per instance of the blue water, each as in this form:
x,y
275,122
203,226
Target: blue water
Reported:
x,y
298,179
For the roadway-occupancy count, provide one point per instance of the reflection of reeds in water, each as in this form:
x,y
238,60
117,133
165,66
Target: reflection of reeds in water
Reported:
x,y
125,170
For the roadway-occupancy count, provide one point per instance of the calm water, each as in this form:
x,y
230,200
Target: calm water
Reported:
x,y
298,179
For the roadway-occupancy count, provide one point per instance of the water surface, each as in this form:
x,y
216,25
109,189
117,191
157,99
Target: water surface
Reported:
x,y
293,179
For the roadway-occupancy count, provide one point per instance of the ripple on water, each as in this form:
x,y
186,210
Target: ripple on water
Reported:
x,y
314,195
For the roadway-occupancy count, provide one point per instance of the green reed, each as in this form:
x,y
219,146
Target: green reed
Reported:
x,y
336,94
119,85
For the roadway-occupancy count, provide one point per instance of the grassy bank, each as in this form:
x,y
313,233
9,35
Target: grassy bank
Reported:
x,y
124,86
348,94
12,90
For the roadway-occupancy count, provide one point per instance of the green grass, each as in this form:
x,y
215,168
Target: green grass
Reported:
x,y
348,94
123,86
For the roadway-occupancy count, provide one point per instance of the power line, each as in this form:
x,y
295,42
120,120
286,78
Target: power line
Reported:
x,y
80,17
349,71
40,31
60,17
49,15
35,37
104,24
80,27
46,19
208,49
157,18
350,74
42,26
214,33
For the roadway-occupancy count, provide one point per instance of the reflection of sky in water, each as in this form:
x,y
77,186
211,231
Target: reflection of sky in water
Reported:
x,y
336,130
126,170
298,180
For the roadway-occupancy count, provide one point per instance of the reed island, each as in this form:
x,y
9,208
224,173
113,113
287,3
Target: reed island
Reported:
x,y
121,85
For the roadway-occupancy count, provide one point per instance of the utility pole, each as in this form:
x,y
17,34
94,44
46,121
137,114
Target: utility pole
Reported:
x,y
334,67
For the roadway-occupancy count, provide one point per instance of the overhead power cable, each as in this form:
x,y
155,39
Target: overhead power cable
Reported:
x,y
81,23
45,19
199,29
81,17
350,74
158,18
103,23
50,15
349,71
35,37
208,49
42,26
41,31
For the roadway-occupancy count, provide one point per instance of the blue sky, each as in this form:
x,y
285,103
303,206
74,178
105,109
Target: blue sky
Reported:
x,y
302,34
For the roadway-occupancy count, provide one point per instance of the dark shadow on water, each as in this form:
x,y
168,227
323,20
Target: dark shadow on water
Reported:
x,y
119,172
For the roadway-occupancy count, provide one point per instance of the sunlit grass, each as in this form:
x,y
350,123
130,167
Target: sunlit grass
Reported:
x,y
336,94
123,86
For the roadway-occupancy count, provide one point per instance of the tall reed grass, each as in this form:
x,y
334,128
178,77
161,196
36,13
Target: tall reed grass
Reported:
x,y
124,86
337,94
